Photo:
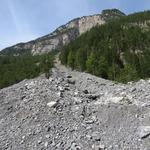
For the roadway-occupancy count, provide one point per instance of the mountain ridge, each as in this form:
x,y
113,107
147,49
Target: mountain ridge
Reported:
x,y
64,34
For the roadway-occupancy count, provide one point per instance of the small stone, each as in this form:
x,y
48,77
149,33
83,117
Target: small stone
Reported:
x,y
51,104
93,96
22,97
51,79
77,100
96,136
144,131
98,147
22,141
46,144
47,136
76,92
115,99
71,81
69,76
88,127
23,137
48,129
61,89
133,89
89,121
10,108
61,79
74,146
147,104
89,78
67,88
53,143
88,137
102,84
40,141
30,133
60,94
141,80
85,91
66,85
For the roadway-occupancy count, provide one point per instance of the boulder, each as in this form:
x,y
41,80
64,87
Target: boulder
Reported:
x,y
51,104
144,131
85,91
98,147
71,81
69,76
92,96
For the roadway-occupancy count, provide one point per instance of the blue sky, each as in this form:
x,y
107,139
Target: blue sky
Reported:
x,y
24,20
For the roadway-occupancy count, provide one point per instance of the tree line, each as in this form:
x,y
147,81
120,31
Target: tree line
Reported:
x,y
116,50
14,69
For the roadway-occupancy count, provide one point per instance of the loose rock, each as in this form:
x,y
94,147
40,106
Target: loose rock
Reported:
x,y
144,131
82,114
51,104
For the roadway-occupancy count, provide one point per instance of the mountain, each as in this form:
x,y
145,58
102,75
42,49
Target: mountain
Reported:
x,y
74,110
117,50
62,35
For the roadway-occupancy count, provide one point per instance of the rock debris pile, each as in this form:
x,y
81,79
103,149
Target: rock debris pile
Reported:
x,y
75,111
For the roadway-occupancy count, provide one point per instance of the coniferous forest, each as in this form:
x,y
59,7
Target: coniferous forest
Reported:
x,y
14,69
118,50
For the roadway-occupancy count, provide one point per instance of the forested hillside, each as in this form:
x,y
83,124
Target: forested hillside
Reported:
x,y
16,68
118,50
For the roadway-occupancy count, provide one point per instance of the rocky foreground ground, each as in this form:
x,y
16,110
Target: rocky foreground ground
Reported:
x,y
75,111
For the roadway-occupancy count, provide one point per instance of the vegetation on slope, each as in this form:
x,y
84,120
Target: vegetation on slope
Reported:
x,y
13,69
118,50
11,51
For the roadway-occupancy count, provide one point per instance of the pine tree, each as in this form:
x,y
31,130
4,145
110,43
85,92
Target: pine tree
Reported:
x,y
90,63
128,73
102,67
71,60
80,60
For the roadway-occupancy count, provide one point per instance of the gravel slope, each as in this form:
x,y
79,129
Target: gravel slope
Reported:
x,y
73,111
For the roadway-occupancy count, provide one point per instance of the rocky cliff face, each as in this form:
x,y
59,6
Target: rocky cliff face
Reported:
x,y
65,33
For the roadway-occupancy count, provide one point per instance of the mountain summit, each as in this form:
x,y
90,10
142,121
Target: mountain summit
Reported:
x,y
64,34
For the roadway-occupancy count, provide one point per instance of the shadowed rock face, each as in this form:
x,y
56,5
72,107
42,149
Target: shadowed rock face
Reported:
x,y
64,34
